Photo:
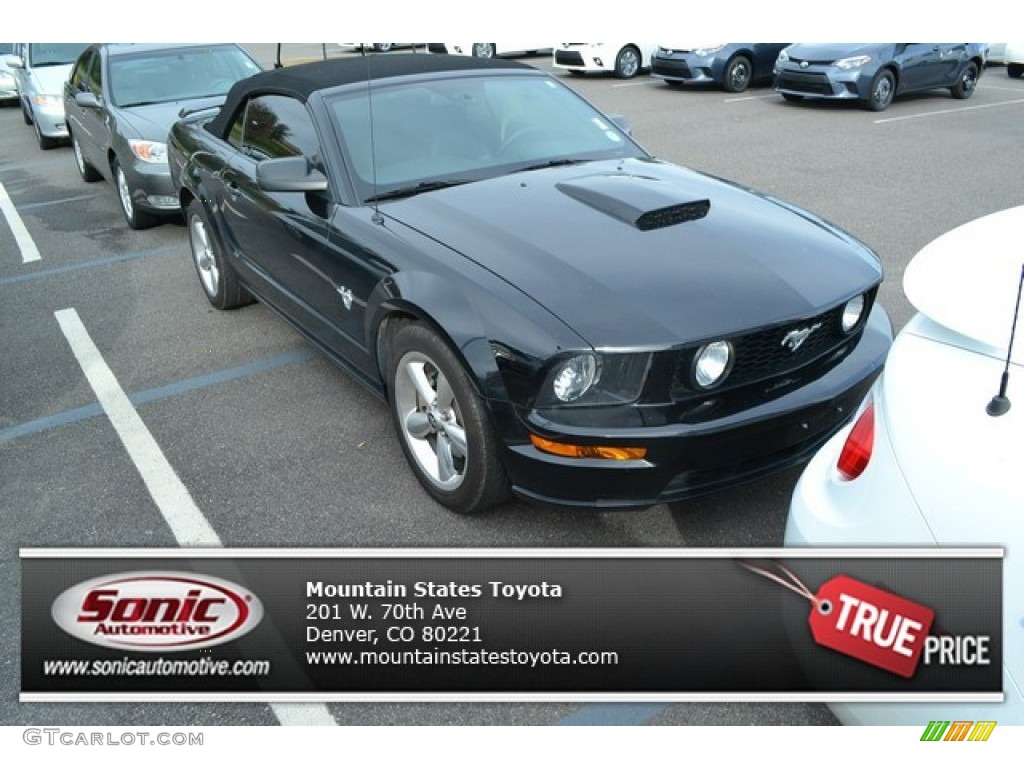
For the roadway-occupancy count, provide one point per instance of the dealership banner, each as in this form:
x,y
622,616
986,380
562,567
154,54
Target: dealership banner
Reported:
x,y
512,625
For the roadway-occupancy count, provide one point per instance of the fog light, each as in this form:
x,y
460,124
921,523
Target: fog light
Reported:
x,y
852,313
162,201
712,363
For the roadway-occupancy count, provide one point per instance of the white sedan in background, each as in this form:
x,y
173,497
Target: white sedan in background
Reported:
x,y
624,60
487,50
934,458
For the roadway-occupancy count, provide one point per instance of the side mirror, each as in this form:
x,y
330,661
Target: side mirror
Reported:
x,y
289,174
87,99
14,61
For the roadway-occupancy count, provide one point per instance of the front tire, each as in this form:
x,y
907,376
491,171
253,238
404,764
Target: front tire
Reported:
x,y
739,73
136,219
218,278
484,50
88,173
44,142
442,423
967,83
883,88
627,63
1014,70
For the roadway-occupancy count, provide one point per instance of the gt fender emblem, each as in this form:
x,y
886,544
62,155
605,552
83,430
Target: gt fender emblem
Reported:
x,y
795,338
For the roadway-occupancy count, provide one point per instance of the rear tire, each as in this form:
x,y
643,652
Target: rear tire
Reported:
x,y
484,50
1014,70
967,83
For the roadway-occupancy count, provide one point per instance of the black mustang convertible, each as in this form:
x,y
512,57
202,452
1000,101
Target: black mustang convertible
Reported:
x,y
546,308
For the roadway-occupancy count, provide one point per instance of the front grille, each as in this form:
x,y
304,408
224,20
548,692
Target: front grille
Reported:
x,y
765,354
805,82
569,58
670,68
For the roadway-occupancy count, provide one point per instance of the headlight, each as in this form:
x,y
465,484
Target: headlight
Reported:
x,y
47,101
149,151
574,377
852,313
707,50
852,62
712,364
593,379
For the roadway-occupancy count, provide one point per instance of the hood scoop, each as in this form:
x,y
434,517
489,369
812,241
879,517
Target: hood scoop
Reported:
x,y
641,201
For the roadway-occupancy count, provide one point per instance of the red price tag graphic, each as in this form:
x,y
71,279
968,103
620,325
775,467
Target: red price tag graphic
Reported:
x,y
870,624
862,621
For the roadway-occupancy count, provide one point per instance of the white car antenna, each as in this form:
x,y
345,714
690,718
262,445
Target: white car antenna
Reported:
x,y
1000,404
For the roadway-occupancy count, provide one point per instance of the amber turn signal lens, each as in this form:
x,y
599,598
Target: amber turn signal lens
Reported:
x,y
587,451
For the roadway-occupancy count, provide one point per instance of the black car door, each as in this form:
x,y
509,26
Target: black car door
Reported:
x,y
284,236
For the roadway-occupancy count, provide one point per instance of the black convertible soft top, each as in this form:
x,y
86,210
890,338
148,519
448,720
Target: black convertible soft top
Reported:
x,y
302,80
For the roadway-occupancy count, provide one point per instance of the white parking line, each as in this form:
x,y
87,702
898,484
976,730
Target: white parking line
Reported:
x,y
751,98
189,525
26,244
948,111
630,84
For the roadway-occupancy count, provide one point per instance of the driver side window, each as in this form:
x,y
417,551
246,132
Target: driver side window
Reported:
x,y
275,126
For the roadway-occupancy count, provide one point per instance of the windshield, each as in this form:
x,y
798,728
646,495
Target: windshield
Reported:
x,y
53,54
179,74
468,128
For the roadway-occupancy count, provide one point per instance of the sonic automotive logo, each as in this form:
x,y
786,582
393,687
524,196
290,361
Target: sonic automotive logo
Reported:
x,y
157,611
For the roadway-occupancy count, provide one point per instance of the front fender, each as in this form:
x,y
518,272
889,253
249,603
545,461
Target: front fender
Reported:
x,y
503,348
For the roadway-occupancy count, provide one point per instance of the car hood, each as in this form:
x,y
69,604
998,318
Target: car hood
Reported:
x,y
153,121
967,281
830,51
567,237
50,80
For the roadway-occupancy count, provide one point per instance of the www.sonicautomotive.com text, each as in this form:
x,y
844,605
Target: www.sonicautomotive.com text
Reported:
x,y
159,667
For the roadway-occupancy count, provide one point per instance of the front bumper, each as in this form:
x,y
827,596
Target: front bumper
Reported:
x,y
151,185
682,68
818,81
685,460
51,121
584,58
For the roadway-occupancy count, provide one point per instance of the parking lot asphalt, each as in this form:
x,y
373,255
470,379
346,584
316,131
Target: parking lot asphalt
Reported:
x,y
276,447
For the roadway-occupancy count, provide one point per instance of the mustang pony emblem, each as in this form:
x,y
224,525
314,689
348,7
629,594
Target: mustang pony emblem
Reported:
x,y
795,338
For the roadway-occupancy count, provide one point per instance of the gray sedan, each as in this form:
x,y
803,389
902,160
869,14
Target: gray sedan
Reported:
x,y
121,101
875,73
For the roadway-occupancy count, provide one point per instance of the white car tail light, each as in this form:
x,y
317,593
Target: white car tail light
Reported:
x,y
856,453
